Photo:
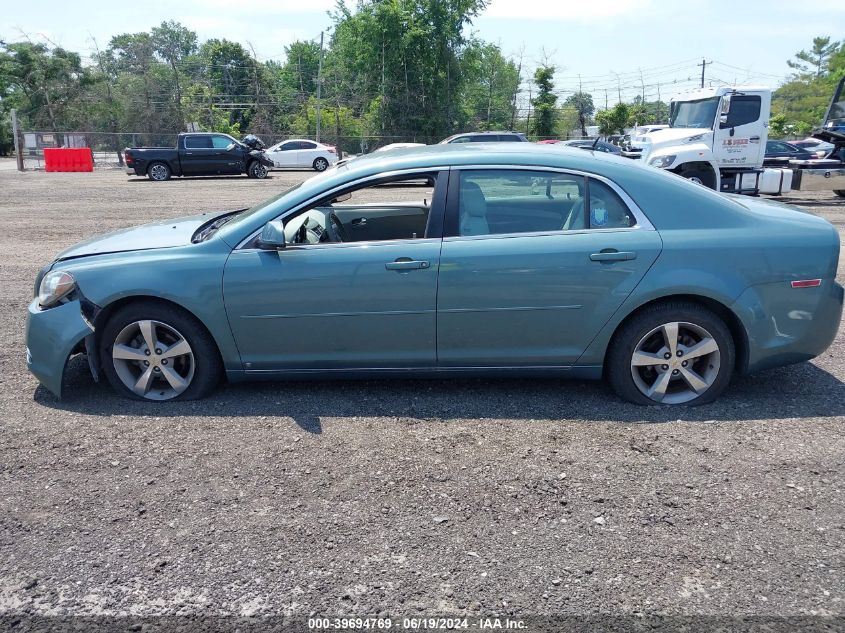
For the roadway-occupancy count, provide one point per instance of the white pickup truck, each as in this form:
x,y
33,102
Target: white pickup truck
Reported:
x,y
717,137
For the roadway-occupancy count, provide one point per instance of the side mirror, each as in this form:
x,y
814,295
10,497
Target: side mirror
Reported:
x,y
230,147
272,236
726,104
723,120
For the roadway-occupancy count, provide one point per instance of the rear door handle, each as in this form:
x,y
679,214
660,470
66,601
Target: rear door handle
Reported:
x,y
406,264
613,256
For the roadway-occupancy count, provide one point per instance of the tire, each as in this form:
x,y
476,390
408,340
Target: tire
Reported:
x,y
839,192
156,375
159,171
648,333
320,164
256,170
700,176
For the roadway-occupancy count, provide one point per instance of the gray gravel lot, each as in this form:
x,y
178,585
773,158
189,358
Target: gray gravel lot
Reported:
x,y
452,497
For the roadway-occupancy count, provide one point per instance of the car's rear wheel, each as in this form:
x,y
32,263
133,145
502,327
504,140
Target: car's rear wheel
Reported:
x,y
159,171
320,164
152,351
257,170
671,353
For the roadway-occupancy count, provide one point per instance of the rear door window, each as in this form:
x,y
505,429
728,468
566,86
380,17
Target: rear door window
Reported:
x,y
198,142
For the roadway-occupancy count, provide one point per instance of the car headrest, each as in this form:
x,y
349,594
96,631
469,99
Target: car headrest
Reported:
x,y
473,202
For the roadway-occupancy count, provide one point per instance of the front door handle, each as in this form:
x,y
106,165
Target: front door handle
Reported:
x,y
613,256
403,263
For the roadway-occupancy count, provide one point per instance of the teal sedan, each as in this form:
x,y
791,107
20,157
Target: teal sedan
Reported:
x,y
480,259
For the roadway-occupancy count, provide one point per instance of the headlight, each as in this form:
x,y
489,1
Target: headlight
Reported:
x,y
54,286
663,161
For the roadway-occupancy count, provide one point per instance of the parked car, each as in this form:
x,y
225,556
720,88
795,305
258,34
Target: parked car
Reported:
x,y
485,137
199,154
303,153
562,263
780,152
815,146
593,145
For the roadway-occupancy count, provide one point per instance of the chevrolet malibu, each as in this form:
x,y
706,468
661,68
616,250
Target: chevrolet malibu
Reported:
x,y
481,259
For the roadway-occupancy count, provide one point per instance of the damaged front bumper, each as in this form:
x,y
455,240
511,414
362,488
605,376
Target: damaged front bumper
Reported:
x,y
52,336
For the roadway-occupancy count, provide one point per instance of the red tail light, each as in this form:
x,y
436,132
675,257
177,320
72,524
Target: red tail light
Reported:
x,y
806,283
129,159
331,149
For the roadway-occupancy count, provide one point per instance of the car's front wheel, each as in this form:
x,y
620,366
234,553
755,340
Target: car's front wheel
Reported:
x,y
320,164
257,170
152,351
699,176
671,353
839,192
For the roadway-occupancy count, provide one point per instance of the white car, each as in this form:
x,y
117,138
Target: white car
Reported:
x,y
302,153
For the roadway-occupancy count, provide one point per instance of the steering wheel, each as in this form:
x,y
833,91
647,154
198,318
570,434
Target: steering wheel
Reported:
x,y
338,232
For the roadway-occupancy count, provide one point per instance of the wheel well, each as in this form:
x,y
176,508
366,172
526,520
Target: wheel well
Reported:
x,y
695,165
738,334
105,313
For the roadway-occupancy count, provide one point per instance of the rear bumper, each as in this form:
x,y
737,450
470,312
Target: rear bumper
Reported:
x,y
788,325
51,337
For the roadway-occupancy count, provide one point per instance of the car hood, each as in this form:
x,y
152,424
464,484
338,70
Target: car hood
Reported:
x,y
163,234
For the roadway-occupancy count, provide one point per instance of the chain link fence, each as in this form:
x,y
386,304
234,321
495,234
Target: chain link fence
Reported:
x,y
107,147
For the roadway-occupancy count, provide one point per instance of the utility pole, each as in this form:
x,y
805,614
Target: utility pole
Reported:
x,y
703,65
17,137
319,84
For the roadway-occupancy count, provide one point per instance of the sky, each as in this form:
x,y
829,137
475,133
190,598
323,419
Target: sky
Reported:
x,y
606,47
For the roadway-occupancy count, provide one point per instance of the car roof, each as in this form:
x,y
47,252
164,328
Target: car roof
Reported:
x,y
517,154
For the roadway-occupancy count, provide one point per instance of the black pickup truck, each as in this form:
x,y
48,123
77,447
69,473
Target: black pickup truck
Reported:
x,y
199,154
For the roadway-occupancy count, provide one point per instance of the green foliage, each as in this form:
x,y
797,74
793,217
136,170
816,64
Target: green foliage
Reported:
x,y
582,103
490,83
544,103
813,63
778,126
799,105
613,120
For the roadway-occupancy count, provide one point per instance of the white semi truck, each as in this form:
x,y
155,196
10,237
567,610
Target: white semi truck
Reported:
x,y
717,137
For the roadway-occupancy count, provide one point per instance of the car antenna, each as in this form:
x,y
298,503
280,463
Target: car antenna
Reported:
x,y
595,143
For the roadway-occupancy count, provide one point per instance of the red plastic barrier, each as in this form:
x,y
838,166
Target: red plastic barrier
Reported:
x,y
68,159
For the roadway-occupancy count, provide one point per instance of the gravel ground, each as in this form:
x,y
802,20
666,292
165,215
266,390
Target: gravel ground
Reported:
x,y
473,497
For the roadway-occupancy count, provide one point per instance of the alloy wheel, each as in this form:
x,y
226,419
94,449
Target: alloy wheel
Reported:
x,y
675,363
153,360
321,164
158,172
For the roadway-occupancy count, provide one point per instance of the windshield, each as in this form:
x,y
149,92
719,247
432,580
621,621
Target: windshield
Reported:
x,y
240,217
700,113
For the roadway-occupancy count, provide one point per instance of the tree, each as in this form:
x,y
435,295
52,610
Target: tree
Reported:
x,y
582,103
174,43
544,103
46,83
613,120
814,62
490,81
